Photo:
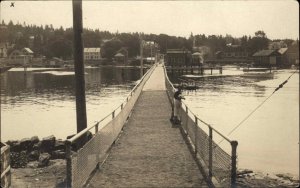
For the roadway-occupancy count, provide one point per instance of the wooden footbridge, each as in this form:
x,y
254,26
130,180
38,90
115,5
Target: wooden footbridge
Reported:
x,y
137,146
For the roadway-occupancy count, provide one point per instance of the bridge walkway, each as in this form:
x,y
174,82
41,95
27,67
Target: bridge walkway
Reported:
x,y
149,152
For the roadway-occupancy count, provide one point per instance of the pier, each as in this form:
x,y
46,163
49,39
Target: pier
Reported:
x,y
137,146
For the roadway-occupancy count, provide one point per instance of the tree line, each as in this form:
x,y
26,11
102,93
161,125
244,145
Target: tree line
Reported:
x,y
58,42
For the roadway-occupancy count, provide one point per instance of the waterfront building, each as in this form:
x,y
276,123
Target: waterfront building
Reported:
x,y
292,54
92,54
178,57
267,58
21,57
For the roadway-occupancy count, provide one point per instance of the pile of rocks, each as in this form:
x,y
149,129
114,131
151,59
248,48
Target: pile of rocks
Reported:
x,y
34,149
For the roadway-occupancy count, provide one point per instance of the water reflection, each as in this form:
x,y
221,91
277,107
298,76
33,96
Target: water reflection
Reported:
x,y
43,101
269,139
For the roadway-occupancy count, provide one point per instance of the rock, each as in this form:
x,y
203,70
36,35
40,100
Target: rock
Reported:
x,y
44,159
35,140
18,159
59,145
48,144
33,164
26,144
58,155
37,146
34,155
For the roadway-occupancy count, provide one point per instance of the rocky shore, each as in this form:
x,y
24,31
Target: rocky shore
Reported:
x,y
41,163
33,149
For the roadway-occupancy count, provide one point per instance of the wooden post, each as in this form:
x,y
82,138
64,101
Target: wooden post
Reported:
x,y
69,164
210,153
211,69
79,67
221,70
196,135
186,120
113,115
234,145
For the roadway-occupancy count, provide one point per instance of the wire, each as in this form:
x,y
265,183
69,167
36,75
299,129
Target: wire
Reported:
x,y
279,87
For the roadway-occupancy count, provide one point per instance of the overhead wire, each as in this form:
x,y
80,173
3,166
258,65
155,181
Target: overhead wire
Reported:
x,y
276,89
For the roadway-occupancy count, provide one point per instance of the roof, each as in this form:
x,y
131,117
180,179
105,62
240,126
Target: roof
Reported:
x,y
264,53
196,53
119,55
282,50
91,49
28,50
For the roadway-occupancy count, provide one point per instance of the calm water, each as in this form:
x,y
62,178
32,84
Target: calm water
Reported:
x,y
268,140
42,102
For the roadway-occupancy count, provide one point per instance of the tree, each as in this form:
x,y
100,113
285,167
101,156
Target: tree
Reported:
x,y
110,48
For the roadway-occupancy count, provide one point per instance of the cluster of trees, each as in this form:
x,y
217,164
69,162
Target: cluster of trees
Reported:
x,y
58,42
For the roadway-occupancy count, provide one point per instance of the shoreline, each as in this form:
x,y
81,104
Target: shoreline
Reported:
x,y
53,172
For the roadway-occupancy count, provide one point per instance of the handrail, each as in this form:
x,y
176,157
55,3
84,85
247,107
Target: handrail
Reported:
x,y
223,136
71,140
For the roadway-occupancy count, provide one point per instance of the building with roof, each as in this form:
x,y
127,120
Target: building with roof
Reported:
x,y
267,58
92,53
292,54
21,57
178,57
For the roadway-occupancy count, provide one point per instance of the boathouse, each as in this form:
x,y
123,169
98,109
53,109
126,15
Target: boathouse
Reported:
x,y
178,57
267,58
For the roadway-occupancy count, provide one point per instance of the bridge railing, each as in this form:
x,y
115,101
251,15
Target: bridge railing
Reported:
x,y
83,162
218,163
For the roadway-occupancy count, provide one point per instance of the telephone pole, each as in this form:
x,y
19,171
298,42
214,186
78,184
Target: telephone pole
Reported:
x,y
79,66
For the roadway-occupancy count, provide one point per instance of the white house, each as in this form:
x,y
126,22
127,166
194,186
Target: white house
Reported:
x,y
92,54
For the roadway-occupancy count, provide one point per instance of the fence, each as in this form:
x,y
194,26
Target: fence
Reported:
x,y
218,164
82,163
5,166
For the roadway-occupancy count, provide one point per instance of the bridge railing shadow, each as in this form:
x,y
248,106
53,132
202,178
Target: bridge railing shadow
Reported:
x,y
82,162
217,159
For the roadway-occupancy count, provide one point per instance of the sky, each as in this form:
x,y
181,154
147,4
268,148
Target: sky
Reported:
x,y
279,19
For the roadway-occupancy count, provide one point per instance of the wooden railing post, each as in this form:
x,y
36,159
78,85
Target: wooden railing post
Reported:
x,y
122,106
234,145
210,152
196,135
186,120
69,164
113,114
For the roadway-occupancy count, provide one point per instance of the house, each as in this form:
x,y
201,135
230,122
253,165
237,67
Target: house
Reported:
x,y
267,58
178,57
3,50
92,53
283,57
21,57
235,52
292,54
120,58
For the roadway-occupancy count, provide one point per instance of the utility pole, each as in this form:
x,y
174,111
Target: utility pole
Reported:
x,y
79,66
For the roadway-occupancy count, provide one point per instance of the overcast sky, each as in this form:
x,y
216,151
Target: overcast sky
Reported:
x,y
279,19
